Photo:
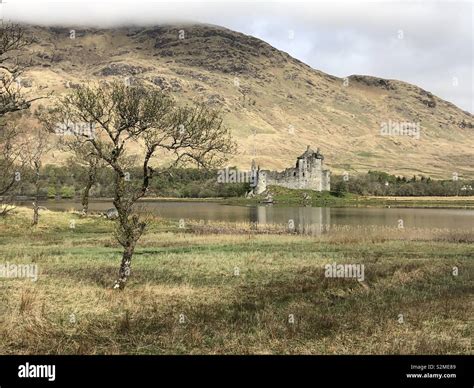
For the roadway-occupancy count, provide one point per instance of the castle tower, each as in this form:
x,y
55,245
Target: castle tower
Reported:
x,y
261,182
310,171
258,178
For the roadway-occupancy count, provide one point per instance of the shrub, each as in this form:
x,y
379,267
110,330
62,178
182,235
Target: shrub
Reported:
x,y
67,192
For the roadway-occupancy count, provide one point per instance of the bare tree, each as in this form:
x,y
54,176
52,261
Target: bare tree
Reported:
x,y
11,166
12,41
83,154
74,139
36,144
92,164
135,125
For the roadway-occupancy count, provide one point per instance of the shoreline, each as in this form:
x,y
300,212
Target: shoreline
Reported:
x,y
320,201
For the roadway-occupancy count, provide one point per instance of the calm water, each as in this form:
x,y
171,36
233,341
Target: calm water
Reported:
x,y
423,218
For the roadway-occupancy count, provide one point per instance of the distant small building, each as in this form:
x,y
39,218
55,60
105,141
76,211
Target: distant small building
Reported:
x,y
309,174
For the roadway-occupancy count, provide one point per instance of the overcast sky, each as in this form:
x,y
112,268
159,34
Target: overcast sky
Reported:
x,y
427,43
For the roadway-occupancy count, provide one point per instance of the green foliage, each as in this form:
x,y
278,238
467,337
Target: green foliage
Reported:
x,y
67,192
382,184
51,191
201,183
178,183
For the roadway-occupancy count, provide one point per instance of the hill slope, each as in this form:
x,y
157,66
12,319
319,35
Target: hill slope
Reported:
x,y
275,104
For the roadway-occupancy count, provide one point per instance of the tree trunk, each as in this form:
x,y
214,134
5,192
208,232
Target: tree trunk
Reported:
x,y
129,226
35,212
37,191
85,198
90,182
125,267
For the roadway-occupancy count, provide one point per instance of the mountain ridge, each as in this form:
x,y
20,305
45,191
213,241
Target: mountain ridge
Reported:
x,y
275,104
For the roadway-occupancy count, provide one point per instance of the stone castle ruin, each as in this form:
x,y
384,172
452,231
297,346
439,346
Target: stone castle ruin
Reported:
x,y
309,174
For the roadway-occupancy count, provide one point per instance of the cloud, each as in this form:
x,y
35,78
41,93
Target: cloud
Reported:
x,y
429,44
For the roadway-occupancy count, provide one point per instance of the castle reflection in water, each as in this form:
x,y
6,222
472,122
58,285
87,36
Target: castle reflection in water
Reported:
x,y
304,220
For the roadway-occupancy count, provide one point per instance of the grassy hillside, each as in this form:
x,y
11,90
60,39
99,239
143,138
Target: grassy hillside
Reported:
x,y
274,104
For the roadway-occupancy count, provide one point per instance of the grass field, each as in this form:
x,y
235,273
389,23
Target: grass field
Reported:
x,y
224,289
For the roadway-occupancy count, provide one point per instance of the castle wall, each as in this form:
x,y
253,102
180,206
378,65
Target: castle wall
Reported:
x,y
326,180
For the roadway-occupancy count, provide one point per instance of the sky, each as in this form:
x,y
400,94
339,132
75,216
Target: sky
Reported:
x,y
426,43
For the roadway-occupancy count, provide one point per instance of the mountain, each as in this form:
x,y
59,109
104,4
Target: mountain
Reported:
x,y
271,101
